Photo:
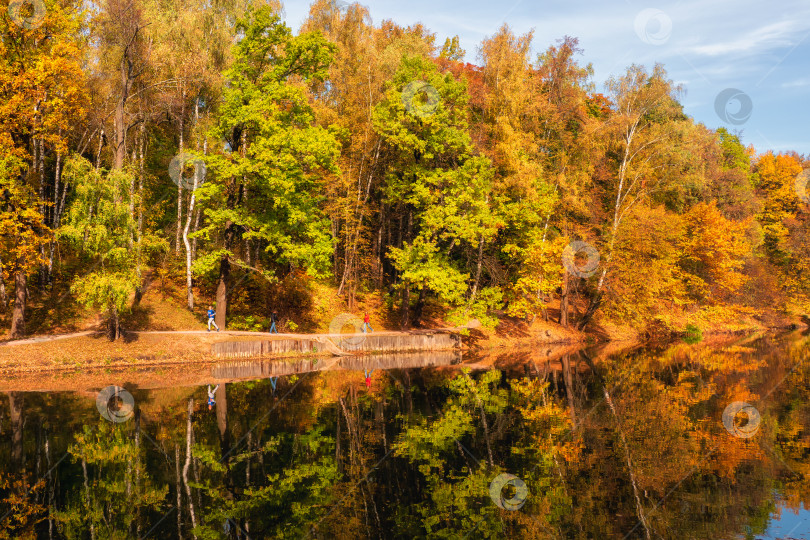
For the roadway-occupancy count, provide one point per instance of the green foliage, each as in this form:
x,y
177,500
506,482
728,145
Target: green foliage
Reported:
x,y
539,276
296,494
269,187
480,307
251,323
100,225
735,155
432,445
111,501
692,334
436,179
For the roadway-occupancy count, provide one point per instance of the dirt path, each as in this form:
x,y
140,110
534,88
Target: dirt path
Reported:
x,y
265,335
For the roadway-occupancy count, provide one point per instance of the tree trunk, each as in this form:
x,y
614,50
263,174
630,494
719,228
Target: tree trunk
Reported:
x,y
56,212
564,302
3,293
420,306
180,175
194,241
15,406
139,231
569,390
593,305
187,244
87,498
187,463
44,278
179,487
120,118
189,251
222,292
100,146
18,315
114,327
477,273
405,308
222,423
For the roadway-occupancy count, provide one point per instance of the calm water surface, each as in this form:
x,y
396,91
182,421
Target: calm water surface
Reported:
x,y
681,441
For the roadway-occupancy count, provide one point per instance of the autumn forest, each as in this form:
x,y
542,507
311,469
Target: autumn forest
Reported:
x,y
211,145
584,312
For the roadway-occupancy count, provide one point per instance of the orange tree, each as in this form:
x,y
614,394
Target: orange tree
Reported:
x,y
41,96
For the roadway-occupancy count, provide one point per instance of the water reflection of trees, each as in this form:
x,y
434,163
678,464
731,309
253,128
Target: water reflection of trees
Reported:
x,y
606,444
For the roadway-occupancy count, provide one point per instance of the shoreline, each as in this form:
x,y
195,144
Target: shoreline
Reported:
x,y
66,353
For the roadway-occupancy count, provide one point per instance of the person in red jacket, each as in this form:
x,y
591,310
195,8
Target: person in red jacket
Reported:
x,y
368,377
367,323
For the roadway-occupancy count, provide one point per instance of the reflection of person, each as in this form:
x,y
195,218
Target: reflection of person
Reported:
x,y
367,323
368,377
273,319
211,393
211,315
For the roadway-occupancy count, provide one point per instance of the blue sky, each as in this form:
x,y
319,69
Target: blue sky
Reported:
x,y
754,55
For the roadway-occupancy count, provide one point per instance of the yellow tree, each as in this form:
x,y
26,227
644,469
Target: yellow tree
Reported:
x,y
22,231
540,275
640,149
715,250
775,179
784,223
41,97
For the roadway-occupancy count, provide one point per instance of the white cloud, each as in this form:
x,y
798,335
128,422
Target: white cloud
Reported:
x,y
798,83
771,36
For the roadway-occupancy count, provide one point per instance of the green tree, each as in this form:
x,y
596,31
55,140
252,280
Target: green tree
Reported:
x,y
268,187
100,226
442,188
452,507
117,486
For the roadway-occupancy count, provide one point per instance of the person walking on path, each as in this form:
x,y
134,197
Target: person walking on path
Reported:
x,y
211,315
273,319
211,400
367,323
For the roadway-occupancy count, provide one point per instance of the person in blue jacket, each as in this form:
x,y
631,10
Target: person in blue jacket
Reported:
x,y
212,396
211,314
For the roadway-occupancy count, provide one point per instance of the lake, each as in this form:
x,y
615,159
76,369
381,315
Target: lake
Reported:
x,y
707,440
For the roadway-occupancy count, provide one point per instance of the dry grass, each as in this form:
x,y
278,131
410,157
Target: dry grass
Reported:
x,y
159,309
97,351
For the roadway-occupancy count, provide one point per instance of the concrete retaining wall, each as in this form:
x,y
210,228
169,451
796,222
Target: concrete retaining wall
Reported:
x,y
277,368
338,344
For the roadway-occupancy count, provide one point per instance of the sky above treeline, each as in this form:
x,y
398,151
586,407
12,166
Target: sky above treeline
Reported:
x,y
744,65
